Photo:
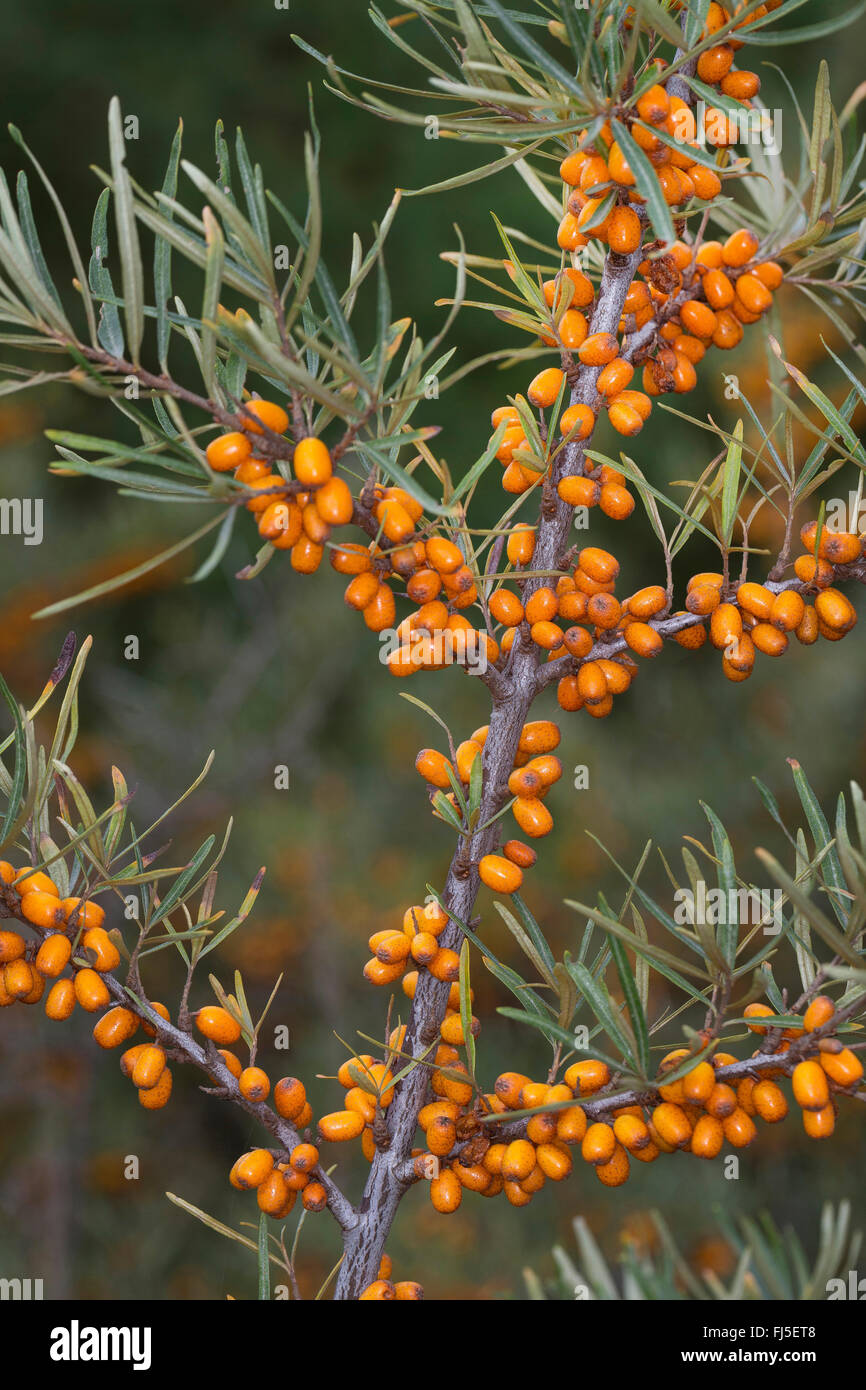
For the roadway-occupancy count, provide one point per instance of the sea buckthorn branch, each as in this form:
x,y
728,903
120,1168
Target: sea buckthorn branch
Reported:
x,y
760,1064
385,1187
92,987
648,308
209,1060
668,627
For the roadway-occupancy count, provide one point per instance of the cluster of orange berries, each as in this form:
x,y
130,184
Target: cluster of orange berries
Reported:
x,y
572,617
698,1113
395,950
715,65
681,177
383,1290
71,927
434,571
299,520
278,1180
534,772
523,467
815,1080
695,296
277,1183
756,619
438,581
64,923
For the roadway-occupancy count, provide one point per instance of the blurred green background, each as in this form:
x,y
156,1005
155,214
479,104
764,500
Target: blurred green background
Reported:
x,y
279,671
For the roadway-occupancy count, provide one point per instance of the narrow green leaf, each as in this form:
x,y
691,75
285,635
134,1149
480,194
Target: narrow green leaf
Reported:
x,y
466,1008
127,235
731,483
162,255
20,772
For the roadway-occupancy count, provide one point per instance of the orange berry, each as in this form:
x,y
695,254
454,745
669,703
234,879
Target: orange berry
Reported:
x,y
707,1137
599,349
53,955
624,231
758,1011
91,991
819,1012
616,1171
718,290
290,1097
809,1083
61,1000
740,248
643,640
755,599
218,1024
579,422
443,555
341,1126
274,1196
252,1168
648,602
266,415
148,1068
835,611
518,1160
844,1068
739,1129
232,1062
519,854
615,377
12,947
769,1102
505,607
499,874
115,1027
158,1096
545,387
698,1084
97,941
311,462
508,1087
568,234
254,1084
34,881
520,545
228,451
335,503
654,105
819,1124
632,1132
42,909
588,1076
707,183
539,736
446,1191
572,330
672,1124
